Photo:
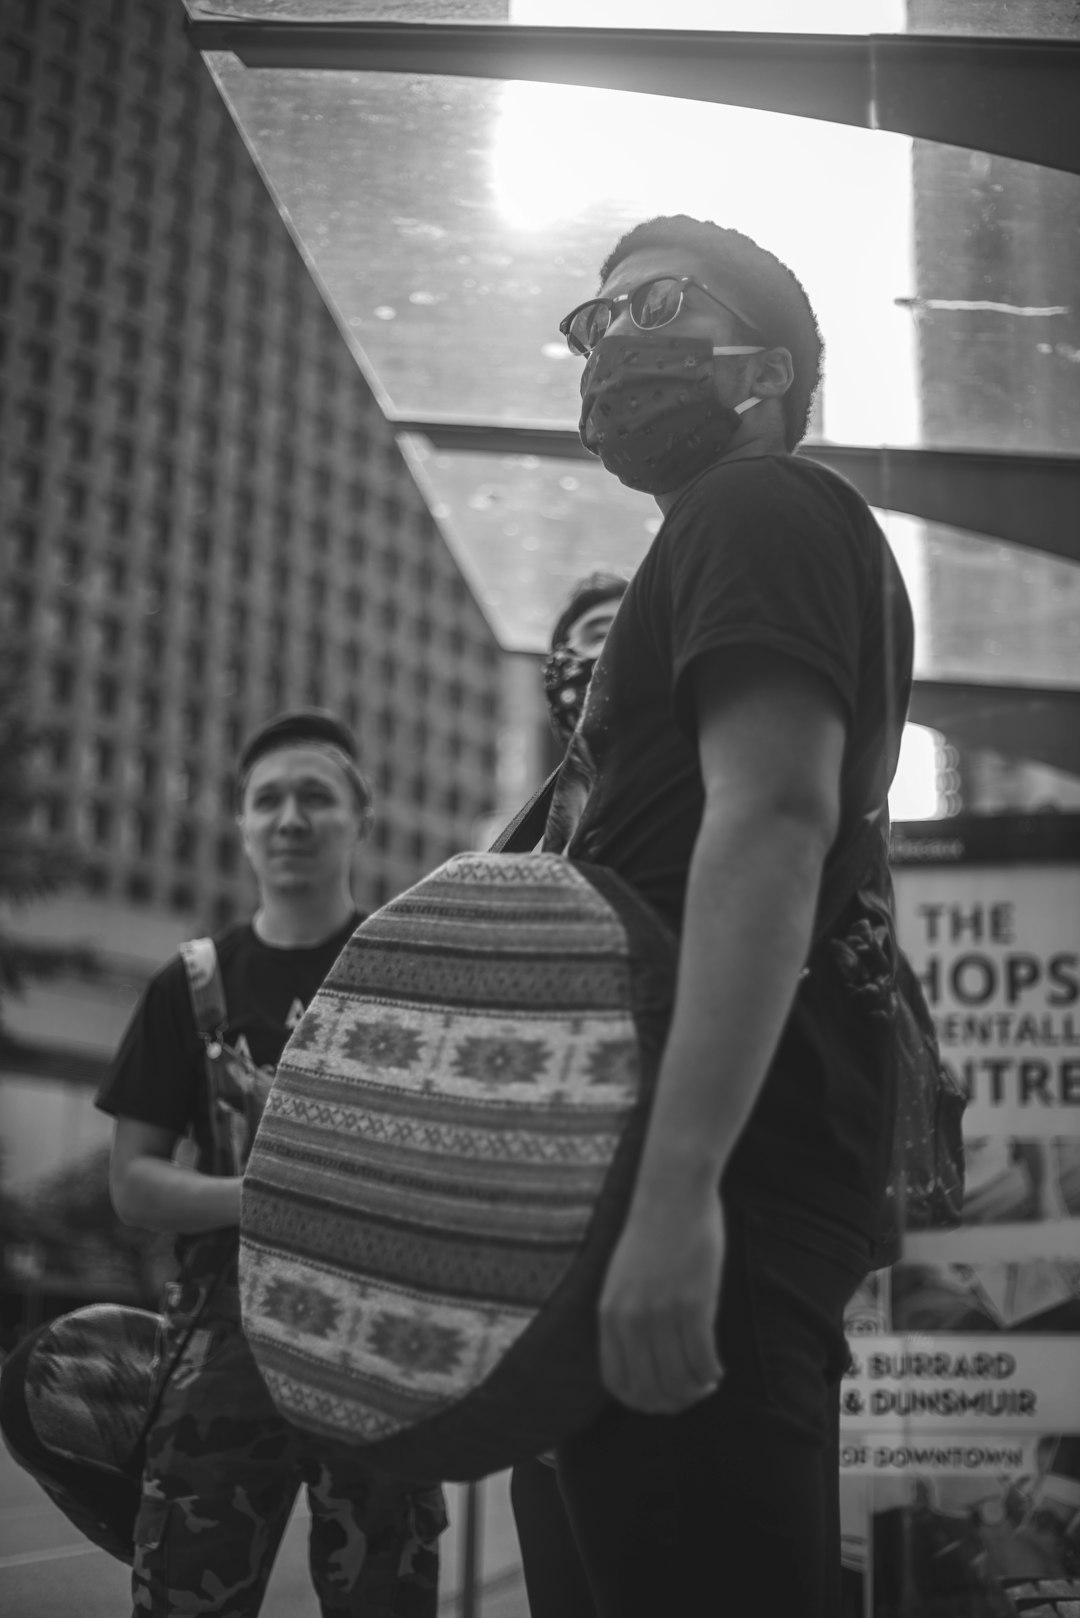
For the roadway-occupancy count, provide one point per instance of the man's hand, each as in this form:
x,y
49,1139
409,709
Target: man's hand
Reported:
x,y
659,1304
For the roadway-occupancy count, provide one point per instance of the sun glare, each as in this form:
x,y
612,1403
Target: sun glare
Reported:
x,y
833,202
915,794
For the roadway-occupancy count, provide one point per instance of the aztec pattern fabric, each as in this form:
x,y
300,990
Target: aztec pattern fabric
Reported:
x,y
445,1161
73,1401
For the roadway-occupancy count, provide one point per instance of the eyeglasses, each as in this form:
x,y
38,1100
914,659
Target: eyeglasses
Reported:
x,y
652,304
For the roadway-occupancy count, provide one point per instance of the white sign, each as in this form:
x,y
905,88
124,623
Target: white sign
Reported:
x,y
983,1385
998,952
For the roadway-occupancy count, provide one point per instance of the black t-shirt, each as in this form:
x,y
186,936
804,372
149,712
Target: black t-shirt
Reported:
x,y
163,1073
774,552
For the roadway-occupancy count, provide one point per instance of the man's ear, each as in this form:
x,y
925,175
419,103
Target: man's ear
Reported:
x,y
773,373
367,821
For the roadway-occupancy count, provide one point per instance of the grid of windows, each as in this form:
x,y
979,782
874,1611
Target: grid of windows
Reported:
x,y
184,551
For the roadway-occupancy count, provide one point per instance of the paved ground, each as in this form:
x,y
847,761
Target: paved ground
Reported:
x,y
48,1571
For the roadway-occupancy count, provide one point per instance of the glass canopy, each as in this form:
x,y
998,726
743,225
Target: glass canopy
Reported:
x,y
452,221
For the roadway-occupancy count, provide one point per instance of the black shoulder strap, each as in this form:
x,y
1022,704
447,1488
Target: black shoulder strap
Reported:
x,y
205,984
527,827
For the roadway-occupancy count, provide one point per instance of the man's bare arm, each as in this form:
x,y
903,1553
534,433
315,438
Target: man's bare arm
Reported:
x,y
150,1190
771,740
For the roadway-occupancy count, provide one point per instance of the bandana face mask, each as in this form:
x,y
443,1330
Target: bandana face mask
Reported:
x,y
566,680
650,410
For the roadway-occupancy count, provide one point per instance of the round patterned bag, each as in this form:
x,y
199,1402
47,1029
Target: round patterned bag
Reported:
x,y
445,1162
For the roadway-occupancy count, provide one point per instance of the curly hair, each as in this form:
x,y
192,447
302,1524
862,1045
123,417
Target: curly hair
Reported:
x,y
770,296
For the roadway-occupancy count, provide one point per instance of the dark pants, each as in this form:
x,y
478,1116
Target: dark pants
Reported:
x,y
555,1580
222,1473
732,1506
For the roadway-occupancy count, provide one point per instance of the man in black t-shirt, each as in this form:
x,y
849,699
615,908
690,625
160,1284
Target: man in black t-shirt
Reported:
x,y
741,728
223,1468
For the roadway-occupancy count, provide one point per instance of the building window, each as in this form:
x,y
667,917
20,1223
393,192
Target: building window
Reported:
x,y
145,832
185,839
26,478
24,544
82,382
42,301
103,759
20,62
38,363
130,344
74,494
109,636
71,562
101,824
62,683
78,436
34,424
133,283
58,748
47,242
100,154
87,323
13,118
116,573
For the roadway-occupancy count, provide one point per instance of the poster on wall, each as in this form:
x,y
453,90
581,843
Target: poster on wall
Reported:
x,y
960,1456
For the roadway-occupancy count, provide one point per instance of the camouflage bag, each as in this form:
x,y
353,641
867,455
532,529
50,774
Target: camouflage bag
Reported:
x,y
78,1397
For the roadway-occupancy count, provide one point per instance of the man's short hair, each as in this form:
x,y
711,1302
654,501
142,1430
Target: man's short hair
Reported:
x,y
299,727
769,295
587,593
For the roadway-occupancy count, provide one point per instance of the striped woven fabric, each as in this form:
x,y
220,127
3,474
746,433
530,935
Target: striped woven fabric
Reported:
x,y
435,1146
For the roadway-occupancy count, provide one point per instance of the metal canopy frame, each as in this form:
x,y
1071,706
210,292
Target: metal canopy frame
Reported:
x,y
1015,98
1026,500
1018,98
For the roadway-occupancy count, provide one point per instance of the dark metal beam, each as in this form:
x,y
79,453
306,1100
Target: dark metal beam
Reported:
x,y
1016,97
1029,722
1028,500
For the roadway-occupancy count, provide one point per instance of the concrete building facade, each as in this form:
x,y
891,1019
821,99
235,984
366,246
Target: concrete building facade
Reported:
x,y
205,516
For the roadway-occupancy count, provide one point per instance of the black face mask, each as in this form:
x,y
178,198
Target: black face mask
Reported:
x,y
566,680
651,412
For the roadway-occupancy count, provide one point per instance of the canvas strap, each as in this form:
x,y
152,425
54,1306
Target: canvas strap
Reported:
x,y
205,984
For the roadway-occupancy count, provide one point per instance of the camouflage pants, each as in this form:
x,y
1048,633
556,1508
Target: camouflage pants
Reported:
x,y
222,1474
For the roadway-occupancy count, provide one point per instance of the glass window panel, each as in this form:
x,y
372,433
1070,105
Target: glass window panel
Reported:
x,y
1037,19
994,612
526,527
451,240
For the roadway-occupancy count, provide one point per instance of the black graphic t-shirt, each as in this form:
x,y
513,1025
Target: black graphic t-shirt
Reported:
x,y
214,1091
775,552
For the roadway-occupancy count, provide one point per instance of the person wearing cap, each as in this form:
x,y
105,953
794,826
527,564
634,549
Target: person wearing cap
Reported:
x,y
223,1468
739,736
